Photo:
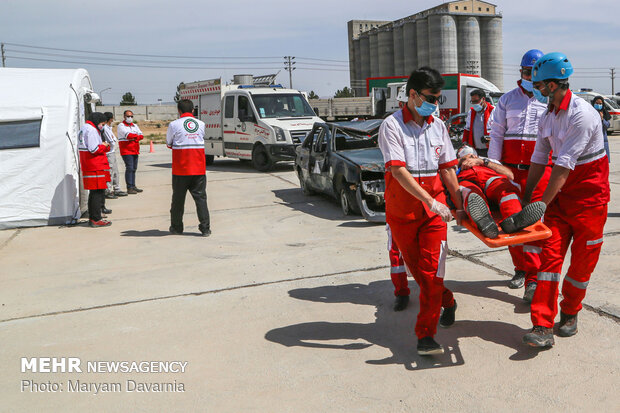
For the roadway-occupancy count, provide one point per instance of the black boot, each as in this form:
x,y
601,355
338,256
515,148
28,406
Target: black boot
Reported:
x,y
479,213
401,302
530,214
568,325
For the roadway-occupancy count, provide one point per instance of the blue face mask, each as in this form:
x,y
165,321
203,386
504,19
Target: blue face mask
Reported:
x,y
598,107
426,109
539,96
527,85
477,107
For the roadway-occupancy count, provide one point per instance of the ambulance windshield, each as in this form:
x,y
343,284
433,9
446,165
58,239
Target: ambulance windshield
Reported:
x,y
282,106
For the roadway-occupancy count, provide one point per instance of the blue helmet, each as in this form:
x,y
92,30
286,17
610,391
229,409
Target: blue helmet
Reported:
x,y
552,66
530,57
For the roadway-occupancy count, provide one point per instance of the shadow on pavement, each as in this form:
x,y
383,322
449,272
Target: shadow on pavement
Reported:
x,y
613,214
392,331
320,206
154,233
235,165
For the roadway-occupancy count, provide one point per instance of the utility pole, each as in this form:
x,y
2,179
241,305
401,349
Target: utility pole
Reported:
x,y
289,65
3,57
613,76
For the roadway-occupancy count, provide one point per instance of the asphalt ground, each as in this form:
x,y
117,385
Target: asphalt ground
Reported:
x,y
286,307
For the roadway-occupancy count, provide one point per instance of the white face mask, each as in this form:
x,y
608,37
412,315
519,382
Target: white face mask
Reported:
x,y
129,119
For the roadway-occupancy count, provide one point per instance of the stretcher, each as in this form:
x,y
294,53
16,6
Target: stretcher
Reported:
x,y
534,232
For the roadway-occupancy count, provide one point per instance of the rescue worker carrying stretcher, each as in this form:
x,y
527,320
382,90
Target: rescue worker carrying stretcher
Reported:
x,y
514,125
418,155
483,180
576,196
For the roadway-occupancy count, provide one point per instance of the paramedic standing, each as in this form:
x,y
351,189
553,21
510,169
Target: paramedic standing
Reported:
x,y
513,136
94,164
186,139
114,189
576,196
477,122
129,137
417,151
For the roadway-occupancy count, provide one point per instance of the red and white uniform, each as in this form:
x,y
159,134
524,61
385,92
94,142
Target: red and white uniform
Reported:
x,y
186,138
93,158
579,212
493,187
468,133
398,271
129,137
420,234
514,129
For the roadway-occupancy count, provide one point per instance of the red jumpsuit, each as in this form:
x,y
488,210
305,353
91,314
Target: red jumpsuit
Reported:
x,y
493,187
514,128
579,211
420,234
93,158
398,271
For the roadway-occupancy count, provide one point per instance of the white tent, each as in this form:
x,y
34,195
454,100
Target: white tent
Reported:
x,y
41,112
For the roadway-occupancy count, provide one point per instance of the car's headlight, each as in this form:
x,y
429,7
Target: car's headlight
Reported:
x,y
374,187
279,134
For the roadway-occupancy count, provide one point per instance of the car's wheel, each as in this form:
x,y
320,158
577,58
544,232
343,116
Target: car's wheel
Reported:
x,y
345,202
209,159
302,183
261,159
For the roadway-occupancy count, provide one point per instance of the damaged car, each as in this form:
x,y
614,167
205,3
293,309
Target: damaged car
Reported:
x,y
343,160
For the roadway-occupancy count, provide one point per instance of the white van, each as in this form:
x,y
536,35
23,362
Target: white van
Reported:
x,y
251,121
611,105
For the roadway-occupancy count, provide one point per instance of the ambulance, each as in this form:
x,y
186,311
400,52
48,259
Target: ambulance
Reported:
x,y
250,119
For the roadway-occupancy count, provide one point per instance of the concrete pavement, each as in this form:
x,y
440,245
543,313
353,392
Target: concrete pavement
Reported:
x,y
286,307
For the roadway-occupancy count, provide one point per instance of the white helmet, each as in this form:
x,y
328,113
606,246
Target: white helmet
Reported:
x,y
402,94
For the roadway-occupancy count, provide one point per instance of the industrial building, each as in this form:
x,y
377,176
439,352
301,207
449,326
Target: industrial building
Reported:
x,y
457,36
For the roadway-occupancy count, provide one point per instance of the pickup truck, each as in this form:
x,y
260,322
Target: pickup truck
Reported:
x,y
343,160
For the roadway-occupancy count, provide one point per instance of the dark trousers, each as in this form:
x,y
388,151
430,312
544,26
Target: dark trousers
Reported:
x,y
131,164
197,187
96,199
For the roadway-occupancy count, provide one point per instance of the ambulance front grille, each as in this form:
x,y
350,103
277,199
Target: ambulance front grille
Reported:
x,y
298,136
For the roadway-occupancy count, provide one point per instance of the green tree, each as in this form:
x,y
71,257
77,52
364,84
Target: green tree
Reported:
x,y
312,95
177,97
344,93
128,100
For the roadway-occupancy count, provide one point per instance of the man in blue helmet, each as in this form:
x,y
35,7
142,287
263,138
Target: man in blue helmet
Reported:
x,y
576,196
513,136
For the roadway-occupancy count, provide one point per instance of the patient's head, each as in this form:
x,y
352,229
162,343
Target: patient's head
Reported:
x,y
465,152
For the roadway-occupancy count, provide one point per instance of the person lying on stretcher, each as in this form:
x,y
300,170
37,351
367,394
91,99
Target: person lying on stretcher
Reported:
x,y
483,180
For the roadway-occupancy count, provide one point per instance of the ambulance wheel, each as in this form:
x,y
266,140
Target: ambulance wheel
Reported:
x,y
261,159
209,159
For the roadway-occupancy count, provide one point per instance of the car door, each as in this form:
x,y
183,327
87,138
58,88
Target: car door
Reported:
x,y
228,125
318,163
303,156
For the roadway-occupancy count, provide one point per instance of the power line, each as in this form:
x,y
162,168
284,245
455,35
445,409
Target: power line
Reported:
x,y
166,56
171,67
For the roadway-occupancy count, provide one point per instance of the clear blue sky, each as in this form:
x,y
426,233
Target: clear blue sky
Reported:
x,y
587,31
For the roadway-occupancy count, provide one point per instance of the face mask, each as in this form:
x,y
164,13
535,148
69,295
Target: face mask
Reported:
x,y
477,107
598,107
129,119
100,127
539,96
527,85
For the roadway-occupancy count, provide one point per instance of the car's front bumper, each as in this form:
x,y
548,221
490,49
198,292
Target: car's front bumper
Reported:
x,y
367,213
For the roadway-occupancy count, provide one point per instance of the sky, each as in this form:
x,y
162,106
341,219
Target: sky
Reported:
x,y
255,36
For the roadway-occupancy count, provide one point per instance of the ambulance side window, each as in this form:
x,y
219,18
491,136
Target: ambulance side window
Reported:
x,y
229,107
245,112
